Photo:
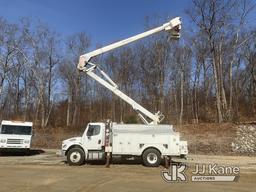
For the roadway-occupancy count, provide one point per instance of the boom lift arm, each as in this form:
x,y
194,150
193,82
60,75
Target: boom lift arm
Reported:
x,y
173,26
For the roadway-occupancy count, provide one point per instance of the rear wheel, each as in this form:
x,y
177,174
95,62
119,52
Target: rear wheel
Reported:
x,y
151,158
75,156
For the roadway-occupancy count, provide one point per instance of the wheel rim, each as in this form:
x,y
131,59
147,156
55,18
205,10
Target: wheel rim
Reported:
x,y
152,158
75,157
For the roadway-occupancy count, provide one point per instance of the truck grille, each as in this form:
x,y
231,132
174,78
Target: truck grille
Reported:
x,y
14,141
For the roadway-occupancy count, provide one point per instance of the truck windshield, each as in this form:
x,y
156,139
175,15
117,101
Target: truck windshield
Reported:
x,y
16,130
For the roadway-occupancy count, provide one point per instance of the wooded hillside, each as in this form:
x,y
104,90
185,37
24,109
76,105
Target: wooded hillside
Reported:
x,y
209,75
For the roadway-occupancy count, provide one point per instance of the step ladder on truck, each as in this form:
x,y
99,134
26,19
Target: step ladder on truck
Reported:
x,y
151,141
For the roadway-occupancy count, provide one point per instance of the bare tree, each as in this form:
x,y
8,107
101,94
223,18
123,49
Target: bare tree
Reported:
x,y
75,80
214,19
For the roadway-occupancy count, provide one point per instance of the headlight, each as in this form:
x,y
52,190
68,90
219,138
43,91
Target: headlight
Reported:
x,y
26,141
64,146
3,140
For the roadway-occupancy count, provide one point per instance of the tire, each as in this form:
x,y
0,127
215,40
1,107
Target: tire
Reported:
x,y
151,158
27,152
75,156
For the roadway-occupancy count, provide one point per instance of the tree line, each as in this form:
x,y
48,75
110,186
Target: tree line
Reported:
x,y
209,75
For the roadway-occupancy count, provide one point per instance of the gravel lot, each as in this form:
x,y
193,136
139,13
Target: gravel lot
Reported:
x,y
46,172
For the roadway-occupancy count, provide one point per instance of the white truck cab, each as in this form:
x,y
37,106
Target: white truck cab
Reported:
x,y
150,142
15,135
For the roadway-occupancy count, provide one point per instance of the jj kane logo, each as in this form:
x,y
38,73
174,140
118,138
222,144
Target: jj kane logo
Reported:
x,y
176,173
201,173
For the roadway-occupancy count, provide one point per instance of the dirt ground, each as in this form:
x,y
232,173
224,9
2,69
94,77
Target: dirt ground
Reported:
x,y
44,171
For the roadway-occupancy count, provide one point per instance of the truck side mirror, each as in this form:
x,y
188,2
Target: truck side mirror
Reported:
x,y
89,133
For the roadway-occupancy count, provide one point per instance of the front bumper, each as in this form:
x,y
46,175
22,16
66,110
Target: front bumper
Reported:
x,y
61,153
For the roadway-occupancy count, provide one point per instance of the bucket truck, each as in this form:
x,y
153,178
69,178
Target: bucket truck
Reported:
x,y
101,140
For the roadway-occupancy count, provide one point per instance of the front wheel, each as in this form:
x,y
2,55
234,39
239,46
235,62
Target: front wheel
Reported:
x,y
75,156
151,158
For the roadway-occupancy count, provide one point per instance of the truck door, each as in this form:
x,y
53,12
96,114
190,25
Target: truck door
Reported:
x,y
93,137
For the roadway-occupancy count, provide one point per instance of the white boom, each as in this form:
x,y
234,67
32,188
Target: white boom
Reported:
x,y
173,26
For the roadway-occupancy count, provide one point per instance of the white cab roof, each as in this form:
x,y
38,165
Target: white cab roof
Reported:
x,y
17,123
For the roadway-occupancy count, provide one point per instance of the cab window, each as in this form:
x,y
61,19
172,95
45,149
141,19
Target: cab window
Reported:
x,y
16,130
93,130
